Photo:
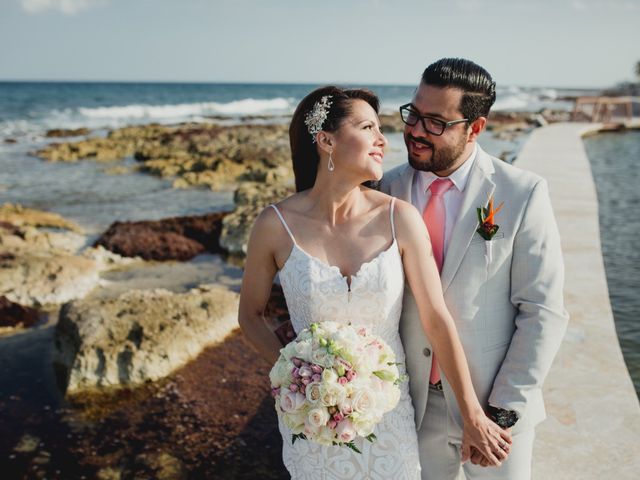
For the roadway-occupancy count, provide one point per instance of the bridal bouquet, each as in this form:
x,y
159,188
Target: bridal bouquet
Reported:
x,y
333,384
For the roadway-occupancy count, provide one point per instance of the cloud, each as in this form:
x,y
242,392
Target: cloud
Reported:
x,y
68,7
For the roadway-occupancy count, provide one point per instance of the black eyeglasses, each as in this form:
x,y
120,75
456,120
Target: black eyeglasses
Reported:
x,y
432,125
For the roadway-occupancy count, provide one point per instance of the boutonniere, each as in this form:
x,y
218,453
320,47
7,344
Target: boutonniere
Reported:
x,y
486,226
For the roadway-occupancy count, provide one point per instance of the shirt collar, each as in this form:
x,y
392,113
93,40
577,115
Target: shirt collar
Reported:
x,y
458,178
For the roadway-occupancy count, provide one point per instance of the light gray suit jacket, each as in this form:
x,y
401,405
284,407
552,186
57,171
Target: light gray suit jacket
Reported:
x,y
510,314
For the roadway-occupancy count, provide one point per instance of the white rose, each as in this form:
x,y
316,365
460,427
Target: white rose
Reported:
x,y
312,393
304,335
325,436
364,426
291,401
289,350
303,350
329,376
332,394
281,373
392,398
318,417
321,357
363,401
295,421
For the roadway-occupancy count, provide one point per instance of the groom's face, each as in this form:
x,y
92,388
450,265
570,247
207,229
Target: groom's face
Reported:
x,y
441,154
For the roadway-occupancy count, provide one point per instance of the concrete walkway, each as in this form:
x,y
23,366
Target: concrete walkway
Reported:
x,y
593,425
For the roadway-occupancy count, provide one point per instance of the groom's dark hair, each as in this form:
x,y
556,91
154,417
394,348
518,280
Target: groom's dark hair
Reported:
x,y
476,83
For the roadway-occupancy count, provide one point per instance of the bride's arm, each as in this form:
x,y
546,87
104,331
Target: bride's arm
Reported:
x,y
257,279
423,278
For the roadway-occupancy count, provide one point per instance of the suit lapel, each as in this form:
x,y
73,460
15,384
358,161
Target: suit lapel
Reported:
x,y
479,188
401,187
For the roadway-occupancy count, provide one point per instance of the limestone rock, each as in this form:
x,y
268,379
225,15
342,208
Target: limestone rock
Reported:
x,y
35,279
250,199
18,215
39,268
215,156
140,336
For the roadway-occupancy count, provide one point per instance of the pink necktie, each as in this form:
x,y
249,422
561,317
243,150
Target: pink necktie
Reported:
x,y
435,217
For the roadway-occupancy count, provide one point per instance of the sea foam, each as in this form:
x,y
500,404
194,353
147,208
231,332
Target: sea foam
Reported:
x,y
247,106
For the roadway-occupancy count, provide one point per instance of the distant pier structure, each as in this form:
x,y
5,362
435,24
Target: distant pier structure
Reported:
x,y
607,110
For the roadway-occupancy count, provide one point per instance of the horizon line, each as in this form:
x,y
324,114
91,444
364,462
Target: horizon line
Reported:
x,y
226,82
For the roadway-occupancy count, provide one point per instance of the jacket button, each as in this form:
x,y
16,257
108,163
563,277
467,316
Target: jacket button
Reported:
x,y
426,352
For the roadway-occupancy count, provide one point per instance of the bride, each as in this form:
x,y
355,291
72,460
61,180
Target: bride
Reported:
x,y
343,251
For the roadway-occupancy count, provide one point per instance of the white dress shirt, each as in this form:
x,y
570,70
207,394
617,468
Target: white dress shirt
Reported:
x,y
452,198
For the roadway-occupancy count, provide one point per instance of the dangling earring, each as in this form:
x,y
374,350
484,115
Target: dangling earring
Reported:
x,y
331,166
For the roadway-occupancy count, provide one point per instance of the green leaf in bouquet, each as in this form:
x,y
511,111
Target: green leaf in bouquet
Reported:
x,y
401,379
352,446
297,436
371,437
385,375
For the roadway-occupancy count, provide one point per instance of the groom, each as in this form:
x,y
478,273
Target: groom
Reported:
x,y
503,288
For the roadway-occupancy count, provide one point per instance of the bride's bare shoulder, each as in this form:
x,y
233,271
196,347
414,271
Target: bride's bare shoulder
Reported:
x,y
407,218
268,221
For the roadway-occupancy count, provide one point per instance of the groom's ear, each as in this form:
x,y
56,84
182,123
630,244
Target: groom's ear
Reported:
x,y
476,127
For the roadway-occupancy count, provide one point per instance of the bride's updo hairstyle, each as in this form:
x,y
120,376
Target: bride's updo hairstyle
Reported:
x,y
304,151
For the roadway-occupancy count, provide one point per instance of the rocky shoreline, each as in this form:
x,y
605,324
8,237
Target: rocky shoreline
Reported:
x,y
158,384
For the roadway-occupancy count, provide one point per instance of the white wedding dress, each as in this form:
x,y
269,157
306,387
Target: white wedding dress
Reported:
x,y
317,292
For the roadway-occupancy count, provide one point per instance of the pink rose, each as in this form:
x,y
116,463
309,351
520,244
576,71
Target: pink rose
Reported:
x,y
343,380
332,424
293,387
316,368
351,374
345,430
296,361
338,417
316,377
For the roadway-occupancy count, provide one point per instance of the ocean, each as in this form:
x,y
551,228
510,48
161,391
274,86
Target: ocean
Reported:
x,y
30,108
83,193
614,163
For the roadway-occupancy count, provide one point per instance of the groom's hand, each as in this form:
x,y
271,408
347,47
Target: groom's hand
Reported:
x,y
477,458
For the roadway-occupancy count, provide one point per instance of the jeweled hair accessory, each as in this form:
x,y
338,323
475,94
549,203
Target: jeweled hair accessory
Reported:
x,y
317,115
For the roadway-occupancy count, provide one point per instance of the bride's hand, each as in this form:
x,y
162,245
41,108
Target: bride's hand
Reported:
x,y
489,439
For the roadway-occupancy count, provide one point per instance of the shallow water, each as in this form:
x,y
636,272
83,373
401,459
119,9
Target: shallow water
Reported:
x,y
614,162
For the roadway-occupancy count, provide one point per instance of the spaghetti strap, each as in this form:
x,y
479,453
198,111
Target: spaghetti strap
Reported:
x,y
284,224
393,228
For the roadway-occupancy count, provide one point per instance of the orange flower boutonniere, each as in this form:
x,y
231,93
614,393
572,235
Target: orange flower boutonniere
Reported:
x,y
486,226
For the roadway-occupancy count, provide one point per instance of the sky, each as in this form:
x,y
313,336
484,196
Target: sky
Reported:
x,y
546,43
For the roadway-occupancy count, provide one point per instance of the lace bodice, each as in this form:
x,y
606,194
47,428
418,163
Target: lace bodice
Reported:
x,y
315,292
